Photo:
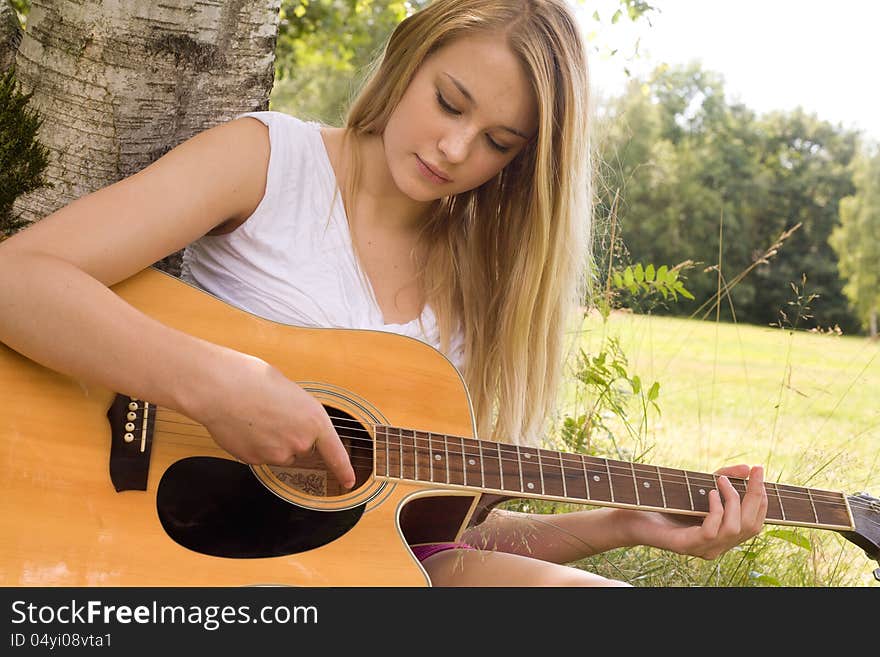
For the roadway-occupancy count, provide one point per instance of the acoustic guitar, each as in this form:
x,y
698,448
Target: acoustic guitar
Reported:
x,y
100,489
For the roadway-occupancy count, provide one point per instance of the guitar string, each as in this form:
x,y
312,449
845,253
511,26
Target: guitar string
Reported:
x,y
693,478
855,502
570,458
625,470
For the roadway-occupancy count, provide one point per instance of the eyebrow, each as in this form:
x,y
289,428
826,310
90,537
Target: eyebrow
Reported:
x,y
467,94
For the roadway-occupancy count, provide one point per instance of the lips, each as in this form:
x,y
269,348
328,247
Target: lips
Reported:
x,y
437,172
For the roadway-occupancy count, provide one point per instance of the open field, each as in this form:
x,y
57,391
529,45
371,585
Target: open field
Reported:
x,y
805,405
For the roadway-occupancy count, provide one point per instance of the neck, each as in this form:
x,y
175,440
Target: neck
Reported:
x,y
378,201
546,474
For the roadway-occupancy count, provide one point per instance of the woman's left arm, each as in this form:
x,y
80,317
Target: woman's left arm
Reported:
x,y
567,537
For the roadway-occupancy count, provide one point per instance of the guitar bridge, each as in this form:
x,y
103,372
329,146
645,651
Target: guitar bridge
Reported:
x,y
131,430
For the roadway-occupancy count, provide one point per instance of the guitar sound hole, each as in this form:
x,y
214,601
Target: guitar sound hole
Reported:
x,y
218,507
311,475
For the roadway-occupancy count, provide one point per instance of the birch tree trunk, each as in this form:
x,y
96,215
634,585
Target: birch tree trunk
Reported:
x,y
121,82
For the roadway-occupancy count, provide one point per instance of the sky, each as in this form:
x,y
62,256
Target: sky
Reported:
x,y
822,55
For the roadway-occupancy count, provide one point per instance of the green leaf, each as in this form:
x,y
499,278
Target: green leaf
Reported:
x,y
636,384
654,391
791,536
639,273
628,277
649,273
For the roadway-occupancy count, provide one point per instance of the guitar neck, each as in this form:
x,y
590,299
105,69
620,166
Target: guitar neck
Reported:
x,y
516,471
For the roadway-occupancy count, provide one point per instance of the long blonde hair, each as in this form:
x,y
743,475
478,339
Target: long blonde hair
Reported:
x,y
506,261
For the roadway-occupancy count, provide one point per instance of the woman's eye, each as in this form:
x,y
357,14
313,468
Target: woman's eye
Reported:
x,y
448,108
498,147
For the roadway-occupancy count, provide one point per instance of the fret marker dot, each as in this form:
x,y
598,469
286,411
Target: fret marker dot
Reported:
x,y
471,462
437,457
528,456
646,484
597,478
702,491
530,485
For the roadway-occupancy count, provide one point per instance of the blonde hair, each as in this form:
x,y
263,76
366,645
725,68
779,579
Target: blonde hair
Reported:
x,y
506,261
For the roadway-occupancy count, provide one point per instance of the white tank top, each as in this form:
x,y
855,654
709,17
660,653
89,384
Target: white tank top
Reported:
x,y
292,261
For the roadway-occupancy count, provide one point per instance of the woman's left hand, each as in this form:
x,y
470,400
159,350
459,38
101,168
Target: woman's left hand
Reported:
x,y
727,524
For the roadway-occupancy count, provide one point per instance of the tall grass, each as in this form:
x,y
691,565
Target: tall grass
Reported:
x,y
803,404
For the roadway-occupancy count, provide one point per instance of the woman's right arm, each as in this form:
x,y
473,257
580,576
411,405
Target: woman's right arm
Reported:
x,y
57,309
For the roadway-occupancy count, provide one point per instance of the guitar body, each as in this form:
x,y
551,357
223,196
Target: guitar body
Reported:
x,y
203,518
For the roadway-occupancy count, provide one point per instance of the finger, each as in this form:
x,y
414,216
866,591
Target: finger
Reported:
x,y
754,505
732,520
333,452
712,521
740,471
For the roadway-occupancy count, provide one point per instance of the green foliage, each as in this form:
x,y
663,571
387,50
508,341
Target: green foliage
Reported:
x,y
647,280
22,8
23,159
698,176
325,48
856,239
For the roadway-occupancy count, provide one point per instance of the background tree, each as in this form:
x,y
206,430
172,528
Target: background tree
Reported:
x,y
856,239
695,173
324,51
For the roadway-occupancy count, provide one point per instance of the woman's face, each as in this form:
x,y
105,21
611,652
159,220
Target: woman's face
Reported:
x,y
466,113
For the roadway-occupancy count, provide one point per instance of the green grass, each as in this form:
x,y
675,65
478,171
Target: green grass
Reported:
x,y
804,405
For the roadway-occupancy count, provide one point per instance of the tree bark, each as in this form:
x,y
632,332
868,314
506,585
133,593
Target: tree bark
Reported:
x,y
121,82
872,324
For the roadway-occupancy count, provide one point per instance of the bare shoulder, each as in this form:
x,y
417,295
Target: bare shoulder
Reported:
x,y
213,179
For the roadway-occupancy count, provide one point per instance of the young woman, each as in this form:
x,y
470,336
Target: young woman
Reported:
x,y
453,206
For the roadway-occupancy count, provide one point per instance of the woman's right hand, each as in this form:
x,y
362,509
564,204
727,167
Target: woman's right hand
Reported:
x,y
260,416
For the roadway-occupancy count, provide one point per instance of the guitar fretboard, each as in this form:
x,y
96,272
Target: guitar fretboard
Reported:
x,y
517,471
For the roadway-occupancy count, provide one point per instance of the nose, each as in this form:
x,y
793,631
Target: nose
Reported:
x,y
455,144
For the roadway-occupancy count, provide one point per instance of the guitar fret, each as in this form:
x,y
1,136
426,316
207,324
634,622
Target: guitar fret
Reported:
x,y
662,488
813,505
379,454
511,466
463,463
470,459
623,484
610,483
564,483
632,467
530,469
541,473
690,493
700,485
586,477
779,497
454,462
400,447
500,466
598,485
416,455
409,455
519,460
432,455
649,487
553,473
491,466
